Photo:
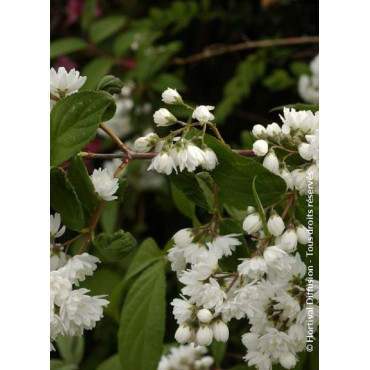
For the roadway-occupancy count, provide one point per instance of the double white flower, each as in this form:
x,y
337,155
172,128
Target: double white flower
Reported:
x,y
63,83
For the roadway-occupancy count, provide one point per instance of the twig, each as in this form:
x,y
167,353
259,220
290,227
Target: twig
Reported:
x,y
236,277
288,205
224,49
114,138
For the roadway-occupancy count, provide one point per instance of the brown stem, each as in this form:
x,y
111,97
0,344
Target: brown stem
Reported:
x,y
232,283
224,49
217,133
288,205
114,138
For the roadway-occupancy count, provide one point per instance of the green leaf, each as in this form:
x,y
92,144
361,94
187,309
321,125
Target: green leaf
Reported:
x,y
297,106
142,325
147,253
188,183
110,84
218,350
64,200
61,365
88,14
66,46
74,121
279,80
165,80
183,204
260,209
115,246
106,27
112,363
108,218
71,348
234,175
123,42
84,188
95,71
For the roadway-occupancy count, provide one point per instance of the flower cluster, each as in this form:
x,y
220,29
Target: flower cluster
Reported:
x,y
177,153
186,357
268,288
104,184
71,310
308,85
299,135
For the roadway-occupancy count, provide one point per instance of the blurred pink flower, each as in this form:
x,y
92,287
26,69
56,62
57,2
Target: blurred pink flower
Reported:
x,y
129,63
74,10
65,62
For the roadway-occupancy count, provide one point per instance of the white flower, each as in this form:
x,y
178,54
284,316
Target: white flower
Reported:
x,y
259,131
210,159
57,259
302,234
204,335
276,258
250,340
204,316
81,311
260,148
183,237
220,331
202,113
275,224
60,288
305,152
273,130
303,120
183,334
171,96
104,184
313,141
78,267
177,259
259,359
286,176
163,117
224,245
289,240
145,143
271,162
163,163
288,306
308,86
63,83
252,223
212,295
56,230
182,310
194,156
253,267
287,360
250,210
204,363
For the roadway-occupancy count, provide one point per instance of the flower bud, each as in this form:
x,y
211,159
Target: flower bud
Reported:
x,y
275,224
206,362
273,129
171,96
287,177
287,360
203,114
183,237
210,159
204,335
305,151
302,234
260,148
271,162
163,117
145,143
183,334
220,331
259,131
250,210
289,240
252,223
204,316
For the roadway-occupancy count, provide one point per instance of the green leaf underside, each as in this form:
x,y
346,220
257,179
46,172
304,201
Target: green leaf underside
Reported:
x,y
142,326
80,180
74,121
64,200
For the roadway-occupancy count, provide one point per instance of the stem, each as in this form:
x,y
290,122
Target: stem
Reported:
x,y
288,205
216,132
70,241
232,283
224,49
116,139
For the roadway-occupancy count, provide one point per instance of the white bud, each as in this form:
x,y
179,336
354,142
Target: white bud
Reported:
x,y
220,331
145,143
204,335
302,234
163,117
206,362
183,334
250,210
275,224
252,223
271,162
260,148
203,114
171,96
287,360
210,159
287,177
204,316
273,130
305,151
259,131
183,237
289,241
